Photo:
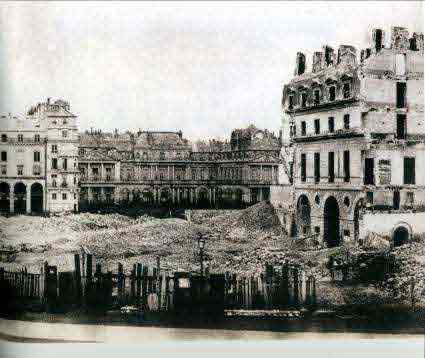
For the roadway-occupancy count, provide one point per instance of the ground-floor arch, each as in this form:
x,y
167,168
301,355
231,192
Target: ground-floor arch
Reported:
x,y
400,236
331,221
20,197
36,198
303,215
4,197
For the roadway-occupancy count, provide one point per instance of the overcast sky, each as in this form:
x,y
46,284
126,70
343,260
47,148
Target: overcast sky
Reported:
x,y
204,68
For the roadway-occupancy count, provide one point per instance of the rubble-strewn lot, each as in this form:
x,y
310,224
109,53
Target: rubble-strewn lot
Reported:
x,y
240,241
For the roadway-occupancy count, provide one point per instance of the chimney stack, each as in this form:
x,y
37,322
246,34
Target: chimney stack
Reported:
x,y
317,61
378,38
329,55
300,64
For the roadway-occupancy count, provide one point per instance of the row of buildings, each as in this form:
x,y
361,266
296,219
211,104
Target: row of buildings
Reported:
x,y
352,139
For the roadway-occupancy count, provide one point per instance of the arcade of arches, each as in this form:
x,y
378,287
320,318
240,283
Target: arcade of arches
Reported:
x,y
21,198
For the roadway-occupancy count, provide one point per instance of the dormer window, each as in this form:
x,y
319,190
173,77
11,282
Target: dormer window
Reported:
x,y
303,99
332,93
346,89
316,97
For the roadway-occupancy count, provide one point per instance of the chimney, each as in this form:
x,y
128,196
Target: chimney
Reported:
x,y
329,55
300,64
317,61
378,38
347,55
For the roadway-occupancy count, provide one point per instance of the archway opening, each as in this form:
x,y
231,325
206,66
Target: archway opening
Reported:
x,y
147,197
401,236
4,197
331,222
20,193
165,198
203,200
36,198
303,216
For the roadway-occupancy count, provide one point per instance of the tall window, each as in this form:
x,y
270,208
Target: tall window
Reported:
x,y
401,95
316,97
303,99
303,128
54,148
332,93
401,126
331,167
20,137
317,126
409,171
4,156
369,171
346,121
346,90
291,102
3,169
36,156
316,167
303,167
54,163
346,166
65,164
331,124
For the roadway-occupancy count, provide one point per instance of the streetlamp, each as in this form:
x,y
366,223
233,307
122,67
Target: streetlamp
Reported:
x,y
201,244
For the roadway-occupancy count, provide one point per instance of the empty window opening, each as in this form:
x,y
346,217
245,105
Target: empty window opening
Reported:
x,y
4,138
65,164
409,170
401,126
346,90
413,44
331,124
332,93
303,128
331,167
20,169
37,138
316,167
54,163
378,40
291,102
36,156
316,97
303,167
317,126
346,121
401,94
20,137
346,166
369,171
4,156
396,200
303,99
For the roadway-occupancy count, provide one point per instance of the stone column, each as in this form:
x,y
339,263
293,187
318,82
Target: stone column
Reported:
x,y
28,201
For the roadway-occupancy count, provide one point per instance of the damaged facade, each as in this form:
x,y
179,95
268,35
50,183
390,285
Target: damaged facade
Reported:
x,y
354,133
163,169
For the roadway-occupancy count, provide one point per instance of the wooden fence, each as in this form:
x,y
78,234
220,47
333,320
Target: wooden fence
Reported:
x,y
151,288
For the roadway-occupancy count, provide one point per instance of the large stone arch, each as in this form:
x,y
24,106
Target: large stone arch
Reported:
x,y
37,192
20,197
4,197
303,218
331,222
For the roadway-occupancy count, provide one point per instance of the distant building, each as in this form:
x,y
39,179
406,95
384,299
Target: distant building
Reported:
x,y
357,133
150,168
38,163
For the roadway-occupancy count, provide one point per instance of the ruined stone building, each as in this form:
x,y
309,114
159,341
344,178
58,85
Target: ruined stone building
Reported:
x,y
357,132
38,163
150,168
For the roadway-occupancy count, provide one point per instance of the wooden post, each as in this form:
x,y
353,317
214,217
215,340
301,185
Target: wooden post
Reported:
x,y
296,287
133,282
120,283
145,286
77,278
138,283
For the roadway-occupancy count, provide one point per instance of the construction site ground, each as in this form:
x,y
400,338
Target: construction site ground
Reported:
x,y
239,241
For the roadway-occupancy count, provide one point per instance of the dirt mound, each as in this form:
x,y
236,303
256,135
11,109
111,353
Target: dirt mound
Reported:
x,y
261,216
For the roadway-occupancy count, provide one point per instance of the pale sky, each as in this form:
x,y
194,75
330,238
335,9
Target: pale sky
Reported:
x,y
204,68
